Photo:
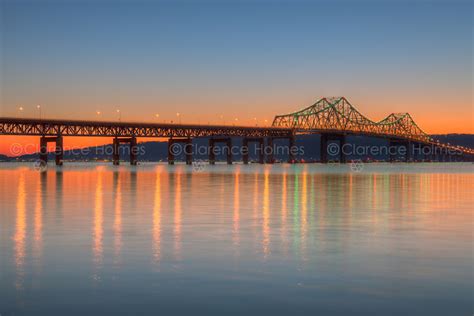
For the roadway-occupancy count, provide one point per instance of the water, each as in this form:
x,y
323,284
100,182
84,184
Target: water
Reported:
x,y
278,240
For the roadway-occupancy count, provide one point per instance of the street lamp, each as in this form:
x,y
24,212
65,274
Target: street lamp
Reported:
x,y
179,117
119,115
256,122
39,110
20,111
266,121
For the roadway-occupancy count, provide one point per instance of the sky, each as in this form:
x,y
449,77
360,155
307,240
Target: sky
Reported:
x,y
217,61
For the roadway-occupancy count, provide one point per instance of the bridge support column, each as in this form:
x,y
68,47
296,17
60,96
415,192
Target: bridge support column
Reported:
x,y
245,151
325,139
417,152
342,155
435,155
291,149
188,151
115,152
269,151
228,147
260,149
212,153
323,148
408,156
170,152
59,151
132,141
43,149
133,151
400,143
426,153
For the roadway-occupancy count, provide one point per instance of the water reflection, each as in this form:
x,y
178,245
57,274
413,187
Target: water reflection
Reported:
x,y
255,206
58,175
98,225
157,218
236,216
284,213
38,219
301,229
20,232
177,215
266,215
117,217
296,211
304,214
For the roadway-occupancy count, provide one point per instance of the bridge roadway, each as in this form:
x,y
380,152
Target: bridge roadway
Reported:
x,y
52,130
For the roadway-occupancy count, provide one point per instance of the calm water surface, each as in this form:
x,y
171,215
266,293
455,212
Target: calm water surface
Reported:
x,y
278,240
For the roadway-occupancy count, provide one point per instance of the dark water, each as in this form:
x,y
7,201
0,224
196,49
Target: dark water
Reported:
x,y
257,240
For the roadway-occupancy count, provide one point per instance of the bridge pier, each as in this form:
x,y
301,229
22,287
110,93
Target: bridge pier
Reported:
x,y
426,152
291,151
400,143
133,151
132,141
270,148
245,149
416,155
228,145
59,152
187,143
269,151
325,139
115,152
59,149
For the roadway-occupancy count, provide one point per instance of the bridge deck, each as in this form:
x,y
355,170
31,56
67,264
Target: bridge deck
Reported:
x,y
45,127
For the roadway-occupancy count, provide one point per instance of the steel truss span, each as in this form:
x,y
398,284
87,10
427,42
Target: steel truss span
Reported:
x,y
45,127
338,115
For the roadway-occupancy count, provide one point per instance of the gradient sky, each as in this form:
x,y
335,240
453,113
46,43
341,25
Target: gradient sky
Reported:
x,y
241,59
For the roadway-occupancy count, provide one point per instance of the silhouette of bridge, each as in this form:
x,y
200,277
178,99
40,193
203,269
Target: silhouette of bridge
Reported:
x,y
332,118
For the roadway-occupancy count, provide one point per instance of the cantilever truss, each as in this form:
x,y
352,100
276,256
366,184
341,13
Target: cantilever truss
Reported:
x,y
338,115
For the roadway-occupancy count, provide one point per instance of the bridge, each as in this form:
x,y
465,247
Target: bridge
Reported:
x,y
335,118
332,118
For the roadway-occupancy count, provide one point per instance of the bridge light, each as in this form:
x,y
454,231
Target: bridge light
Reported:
x,y
39,110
